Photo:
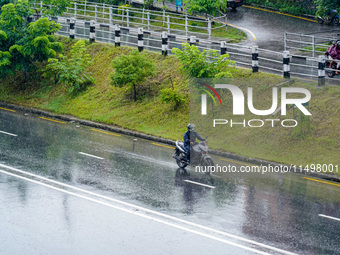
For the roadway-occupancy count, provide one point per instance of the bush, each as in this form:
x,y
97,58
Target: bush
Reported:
x,y
172,96
122,8
71,70
294,7
198,64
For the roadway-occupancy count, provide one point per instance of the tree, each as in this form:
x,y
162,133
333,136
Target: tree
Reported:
x,y
323,6
131,70
205,6
3,2
71,70
22,44
51,8
197,64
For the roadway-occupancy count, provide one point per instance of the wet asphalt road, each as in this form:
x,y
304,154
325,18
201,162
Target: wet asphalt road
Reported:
x,y
132,199
269,28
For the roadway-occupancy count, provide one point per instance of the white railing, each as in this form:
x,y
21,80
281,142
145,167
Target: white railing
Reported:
x,y
137,17
106,23
308,45
244,56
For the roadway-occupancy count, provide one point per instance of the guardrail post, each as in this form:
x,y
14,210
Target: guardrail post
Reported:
x,y
29,19
110,34
209,28
127,17
140,39
143,17
92,31
255,59
111,11
285,41
72,28
75,10
286,66
186,25
313,41
85,5
41,9
163,16
321,71
117,35
223,47
123,13
164,43
103,12
148,20
95,12
168,24
192,40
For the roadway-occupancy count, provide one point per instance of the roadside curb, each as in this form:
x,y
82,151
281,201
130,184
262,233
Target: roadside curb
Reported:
x,y
86,123
163,140
304,16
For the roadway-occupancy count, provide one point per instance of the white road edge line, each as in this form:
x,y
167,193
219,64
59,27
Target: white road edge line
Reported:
x,y
198,183
329,217
138,214
89,155
150,211
3,132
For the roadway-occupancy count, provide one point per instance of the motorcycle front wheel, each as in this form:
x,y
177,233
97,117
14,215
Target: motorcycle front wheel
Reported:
x,y
330,73
182,161
336,21
206,163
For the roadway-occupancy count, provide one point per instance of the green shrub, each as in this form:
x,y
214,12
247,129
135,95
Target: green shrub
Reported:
x,y
122,8
71,70
172,96
294,7
199,64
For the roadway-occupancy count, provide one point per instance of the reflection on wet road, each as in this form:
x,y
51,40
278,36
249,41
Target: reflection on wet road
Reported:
x,y
274,210
269,28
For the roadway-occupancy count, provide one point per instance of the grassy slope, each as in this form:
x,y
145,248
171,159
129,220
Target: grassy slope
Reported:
x,y
108,104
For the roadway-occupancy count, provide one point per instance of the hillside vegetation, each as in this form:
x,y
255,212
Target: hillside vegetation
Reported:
x,y
317,141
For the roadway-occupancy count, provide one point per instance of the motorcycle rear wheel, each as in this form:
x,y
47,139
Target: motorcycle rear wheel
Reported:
x,y
336,21
181,163
320,20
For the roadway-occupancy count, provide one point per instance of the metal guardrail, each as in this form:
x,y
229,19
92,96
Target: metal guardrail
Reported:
x,y
308,45
106,29
244,56
137,17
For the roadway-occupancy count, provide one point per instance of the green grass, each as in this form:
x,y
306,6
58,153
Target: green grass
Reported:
x,y
317,143
105,103
319,49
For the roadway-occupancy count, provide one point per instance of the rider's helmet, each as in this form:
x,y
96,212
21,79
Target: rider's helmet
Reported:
x,y
338,43
191,127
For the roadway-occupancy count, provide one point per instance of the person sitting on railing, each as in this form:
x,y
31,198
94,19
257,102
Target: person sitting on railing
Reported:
x,y
333,53
178,4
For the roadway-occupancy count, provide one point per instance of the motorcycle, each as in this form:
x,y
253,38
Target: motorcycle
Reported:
x,y
331,70
331,17
199,155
